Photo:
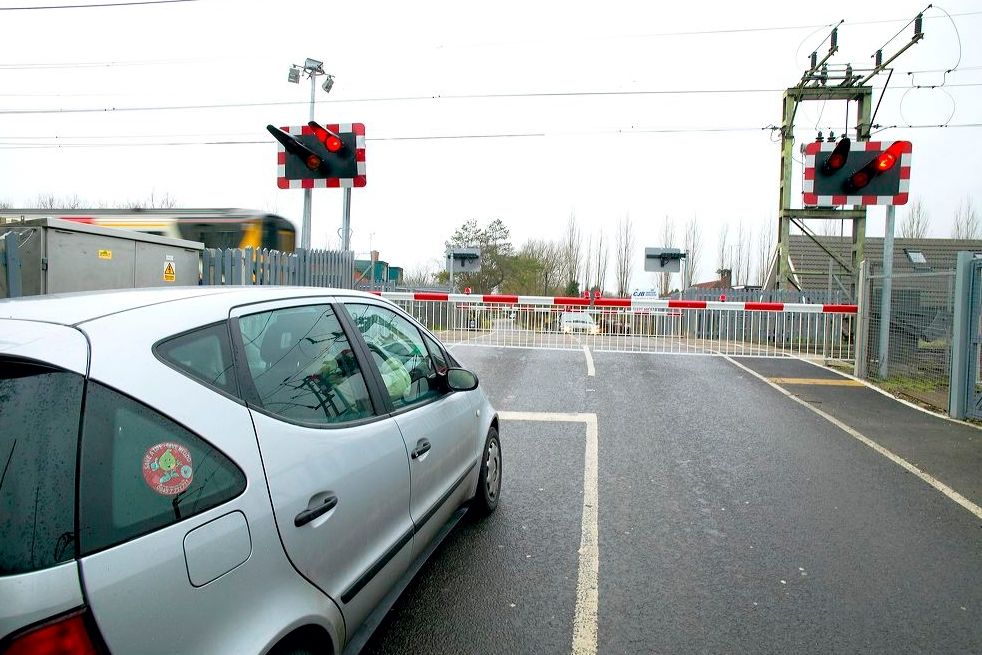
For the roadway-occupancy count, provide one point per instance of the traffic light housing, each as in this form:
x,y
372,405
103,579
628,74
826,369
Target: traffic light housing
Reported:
x,y
860,174
314,155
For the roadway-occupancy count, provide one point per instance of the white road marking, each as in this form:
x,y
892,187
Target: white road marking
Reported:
x,y
884,392
588,576
896,459
590,371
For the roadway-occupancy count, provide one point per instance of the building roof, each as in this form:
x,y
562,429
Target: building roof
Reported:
x,y
725,281
812,265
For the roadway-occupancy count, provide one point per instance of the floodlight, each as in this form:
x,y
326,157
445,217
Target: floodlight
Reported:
x,y
312,64
917,258
294,75
328,83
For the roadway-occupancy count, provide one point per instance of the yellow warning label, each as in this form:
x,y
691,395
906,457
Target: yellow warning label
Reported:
x,y
105,254
169,274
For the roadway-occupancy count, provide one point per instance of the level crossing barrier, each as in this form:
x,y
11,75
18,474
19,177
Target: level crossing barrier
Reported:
x,y
639,324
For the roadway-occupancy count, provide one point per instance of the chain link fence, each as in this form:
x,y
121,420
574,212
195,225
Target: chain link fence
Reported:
x,y
916,360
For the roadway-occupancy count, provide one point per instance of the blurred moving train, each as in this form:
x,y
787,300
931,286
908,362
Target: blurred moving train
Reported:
x,y
216,228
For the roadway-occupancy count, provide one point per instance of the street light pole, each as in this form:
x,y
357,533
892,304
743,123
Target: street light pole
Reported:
x,y
308,194
312,68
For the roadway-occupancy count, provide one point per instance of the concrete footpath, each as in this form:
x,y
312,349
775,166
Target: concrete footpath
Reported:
x,y
950,451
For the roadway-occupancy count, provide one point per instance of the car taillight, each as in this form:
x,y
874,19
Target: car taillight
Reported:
x,y
68,635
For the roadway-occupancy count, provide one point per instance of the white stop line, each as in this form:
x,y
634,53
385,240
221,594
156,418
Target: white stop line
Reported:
x,y
588,575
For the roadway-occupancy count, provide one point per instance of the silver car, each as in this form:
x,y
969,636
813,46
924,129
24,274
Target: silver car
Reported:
x,y
225,469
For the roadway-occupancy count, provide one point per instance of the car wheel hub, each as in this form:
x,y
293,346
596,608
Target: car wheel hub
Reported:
x,y
493,466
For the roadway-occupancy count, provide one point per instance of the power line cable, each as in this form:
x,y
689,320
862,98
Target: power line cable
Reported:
x,y
96,5
437,97
445,137
775,28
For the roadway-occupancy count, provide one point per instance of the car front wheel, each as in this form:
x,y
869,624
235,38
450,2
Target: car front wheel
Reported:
x,y
489,481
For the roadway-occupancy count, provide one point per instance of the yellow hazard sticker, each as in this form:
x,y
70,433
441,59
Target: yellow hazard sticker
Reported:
x,y
105,254
169,274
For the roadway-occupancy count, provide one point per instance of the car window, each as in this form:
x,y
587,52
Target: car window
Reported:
x,y
141,471
407,368
40,409
436,353
205,354
303,366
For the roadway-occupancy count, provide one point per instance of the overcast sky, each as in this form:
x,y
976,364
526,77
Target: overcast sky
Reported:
x,y
672,151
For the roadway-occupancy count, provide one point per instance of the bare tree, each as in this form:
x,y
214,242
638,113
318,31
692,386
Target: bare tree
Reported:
x,y
747,250
153,201
829,228
419,276
623,248
601,261
45,201
667,241
737,256
765,254
4,204
723,259
571,248
966,221
916,222
692,250
588,264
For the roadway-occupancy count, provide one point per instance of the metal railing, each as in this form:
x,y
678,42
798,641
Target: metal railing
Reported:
x,y
638,325
315,268
917,361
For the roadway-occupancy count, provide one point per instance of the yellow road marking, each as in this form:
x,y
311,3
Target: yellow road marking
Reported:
x,y
828,382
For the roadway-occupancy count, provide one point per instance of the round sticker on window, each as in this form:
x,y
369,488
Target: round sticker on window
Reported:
x,y
167,468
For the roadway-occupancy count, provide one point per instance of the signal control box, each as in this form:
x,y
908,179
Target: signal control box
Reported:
x,y
57,256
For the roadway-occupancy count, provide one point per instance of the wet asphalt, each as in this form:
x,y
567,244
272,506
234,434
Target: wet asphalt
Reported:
x,y
731,520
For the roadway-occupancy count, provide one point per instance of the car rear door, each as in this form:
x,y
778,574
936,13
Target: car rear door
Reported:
x,y
336,465
439,428
42,370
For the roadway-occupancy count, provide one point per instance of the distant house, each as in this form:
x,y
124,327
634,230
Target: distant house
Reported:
x,y
725,281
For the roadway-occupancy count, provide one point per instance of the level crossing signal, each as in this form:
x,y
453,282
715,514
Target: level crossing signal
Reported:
x,y
316,155
860,174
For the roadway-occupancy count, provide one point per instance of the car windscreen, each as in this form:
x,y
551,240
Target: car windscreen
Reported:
x,y
40,409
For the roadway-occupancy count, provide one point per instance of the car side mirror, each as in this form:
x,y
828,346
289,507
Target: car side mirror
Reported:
x,y
460,379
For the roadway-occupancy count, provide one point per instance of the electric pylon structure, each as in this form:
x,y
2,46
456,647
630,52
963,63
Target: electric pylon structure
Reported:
x,y
824,82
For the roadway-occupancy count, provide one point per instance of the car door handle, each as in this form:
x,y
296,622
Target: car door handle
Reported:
x,y
308,515
422,447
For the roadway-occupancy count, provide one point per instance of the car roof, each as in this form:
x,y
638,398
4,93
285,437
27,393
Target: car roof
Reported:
x,y
79,307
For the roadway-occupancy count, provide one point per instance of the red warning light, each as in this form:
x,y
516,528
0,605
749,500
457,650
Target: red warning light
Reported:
x,y
838,158
313,162
859,180
331,141
888,158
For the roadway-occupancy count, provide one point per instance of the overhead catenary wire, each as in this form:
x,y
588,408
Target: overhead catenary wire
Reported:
x,y
99,5
445,137
419,98
111,63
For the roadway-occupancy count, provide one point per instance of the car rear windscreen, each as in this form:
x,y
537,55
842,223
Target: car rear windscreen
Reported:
x,y
39,426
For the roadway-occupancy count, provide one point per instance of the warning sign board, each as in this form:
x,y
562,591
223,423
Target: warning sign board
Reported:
x,y
169,274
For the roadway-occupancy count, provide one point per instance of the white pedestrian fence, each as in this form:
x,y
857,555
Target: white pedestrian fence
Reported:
x,y
649,325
